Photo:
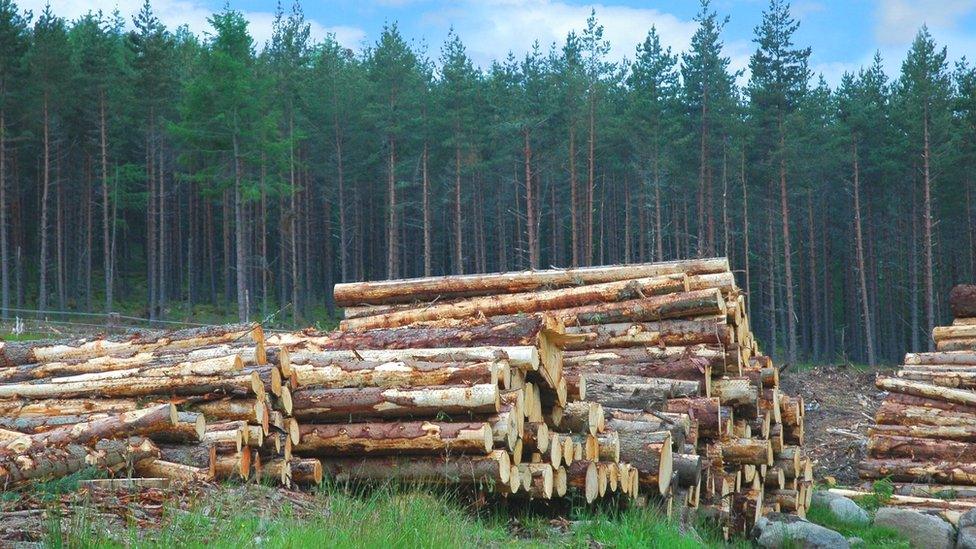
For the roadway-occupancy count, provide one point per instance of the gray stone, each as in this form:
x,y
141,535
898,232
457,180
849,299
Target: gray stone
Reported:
x,y
842,508
920,529
967,519
966,539
778,530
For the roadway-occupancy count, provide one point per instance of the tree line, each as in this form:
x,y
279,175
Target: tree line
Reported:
x,y
153,168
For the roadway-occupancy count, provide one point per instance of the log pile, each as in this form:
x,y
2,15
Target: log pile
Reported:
x,y
924,438
658,357
194,405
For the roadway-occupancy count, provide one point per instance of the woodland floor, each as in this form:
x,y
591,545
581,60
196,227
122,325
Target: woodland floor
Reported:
x,y
840,403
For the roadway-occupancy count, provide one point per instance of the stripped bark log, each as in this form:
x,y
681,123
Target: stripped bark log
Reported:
x,y
322,404
415,437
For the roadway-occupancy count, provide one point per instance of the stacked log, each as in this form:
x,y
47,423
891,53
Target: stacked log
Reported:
x,y
924,438
200,404
658,357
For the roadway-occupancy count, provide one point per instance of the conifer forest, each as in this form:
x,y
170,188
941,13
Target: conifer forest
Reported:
x,y
152,169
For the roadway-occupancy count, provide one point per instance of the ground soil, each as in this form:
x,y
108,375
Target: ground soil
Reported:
x,y
840,402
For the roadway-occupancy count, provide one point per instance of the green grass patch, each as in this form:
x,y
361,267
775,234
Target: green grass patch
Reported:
x,y
873,536
385,517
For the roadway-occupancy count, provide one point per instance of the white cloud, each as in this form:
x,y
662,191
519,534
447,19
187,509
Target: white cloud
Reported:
x,y
192,13
899,20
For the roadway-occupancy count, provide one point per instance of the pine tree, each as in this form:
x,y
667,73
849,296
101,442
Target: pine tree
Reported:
x,y
778,83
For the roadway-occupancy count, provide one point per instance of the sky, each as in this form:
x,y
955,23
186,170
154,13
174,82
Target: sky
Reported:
x,y
844,34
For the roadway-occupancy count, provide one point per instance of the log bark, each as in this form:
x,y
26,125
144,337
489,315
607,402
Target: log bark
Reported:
x,y
910,400
306,471
122,387
525,357
957,344
197,455
715,357
408,373
158,468
582,417
582,475
527,302
903,470
333,404
536,437
927,390
413,437
689,469
30,352
59,461
893,413
747,451
136,423
943,357
446,287
492,469
664,333
964,433
637,392
962,300
654,308
228,409
707,412
596,363
735,391
919,449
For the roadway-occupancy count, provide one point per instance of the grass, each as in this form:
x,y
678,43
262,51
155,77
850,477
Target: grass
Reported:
x,y
873,536
386,517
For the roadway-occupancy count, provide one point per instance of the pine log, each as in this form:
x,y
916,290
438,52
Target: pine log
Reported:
x,y
65,407
962,300
227,409
199,456
903,470
927,390
447,287
413,437
306,471
139,365
407,373
45,461
920,449
228,466
494,468
664,333
893,413
942,357
536,437
651,454
716,358
689,369
136,423
135,387
943,378
689,468
962,433
637,392
582,417
541,480
524,357
735,391
956,344
582,475
333,404
935,404
745,451
653,308
526,302
158,468
31,352
189,427
705,411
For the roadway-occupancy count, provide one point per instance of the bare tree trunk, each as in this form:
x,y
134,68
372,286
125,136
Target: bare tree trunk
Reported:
x,y
574,194
659,232
392,270
428,248
59,230
264,237
862,270
161,280
725,198
458,233
151,215
591,182
529,206
242,312
913,271
745,226
787,258
106,239
42,289
927,228
702,173
4,251
814,301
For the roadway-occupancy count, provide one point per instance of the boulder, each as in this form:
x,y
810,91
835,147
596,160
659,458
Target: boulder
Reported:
x,y
919,529
966,538
778,530
842,508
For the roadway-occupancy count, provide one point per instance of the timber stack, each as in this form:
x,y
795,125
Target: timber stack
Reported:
x,y
194,405
924,438
655,360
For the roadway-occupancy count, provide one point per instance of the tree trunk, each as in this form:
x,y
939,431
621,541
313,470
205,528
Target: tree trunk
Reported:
x,y
927,230
337,374
787,253
240,267
350,403
428,246
409,437
861,268
903,470
4,250
56,462
458,233
745,229
530,212
574,195
392,255
42,263
651,334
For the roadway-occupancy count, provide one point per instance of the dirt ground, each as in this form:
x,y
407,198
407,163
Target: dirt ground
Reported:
x,y
840,403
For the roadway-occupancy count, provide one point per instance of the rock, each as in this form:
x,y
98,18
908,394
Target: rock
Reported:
x,y
967,519
842,508
918,528
778,530
966,539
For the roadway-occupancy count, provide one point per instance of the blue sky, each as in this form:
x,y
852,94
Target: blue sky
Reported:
x,y
843,34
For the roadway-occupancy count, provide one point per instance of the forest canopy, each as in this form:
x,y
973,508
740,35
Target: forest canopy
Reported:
x,y
150,168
